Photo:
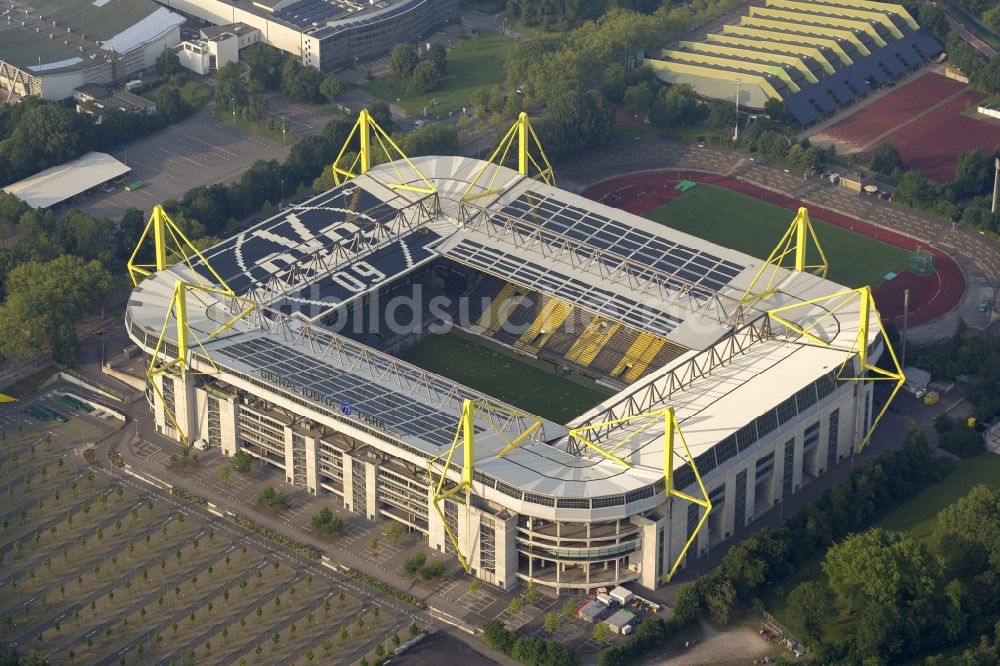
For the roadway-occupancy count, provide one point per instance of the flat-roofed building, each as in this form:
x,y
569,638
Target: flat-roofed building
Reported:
x,y
54,48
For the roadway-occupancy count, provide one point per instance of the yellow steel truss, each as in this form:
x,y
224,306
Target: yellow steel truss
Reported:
x,y
466,434
794,243
524,134
366,128
177,309
859,348
671,433
167,238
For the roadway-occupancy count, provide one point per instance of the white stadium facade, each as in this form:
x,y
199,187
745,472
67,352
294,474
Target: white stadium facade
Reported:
x,y
284,352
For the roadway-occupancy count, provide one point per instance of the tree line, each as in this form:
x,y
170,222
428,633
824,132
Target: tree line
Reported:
x,y
425,73
771,555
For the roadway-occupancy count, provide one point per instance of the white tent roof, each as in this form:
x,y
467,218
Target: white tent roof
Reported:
x,y
58,183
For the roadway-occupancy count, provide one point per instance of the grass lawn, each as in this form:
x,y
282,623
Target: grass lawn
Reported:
x,y
194,93
472,63
523,382
916,516
743,223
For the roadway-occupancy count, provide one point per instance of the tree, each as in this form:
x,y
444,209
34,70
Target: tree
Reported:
x,y
811,603
602,633
224,473
299,82
569,608
639,97
168,64
426,76
272,498
264,64
327,522
430,140
394,531
241,462
331,87
880,568
552,622
720,599
721,117
974,172
515,605
886,158
403,60
531,593
230,89
438,56
913,189
43,300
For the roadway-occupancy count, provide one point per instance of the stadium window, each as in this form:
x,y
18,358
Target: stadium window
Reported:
x,y
726,449
718,496
641,494
746,437
573,503
767,423
611,500
535,498
811,437
806,398
765,466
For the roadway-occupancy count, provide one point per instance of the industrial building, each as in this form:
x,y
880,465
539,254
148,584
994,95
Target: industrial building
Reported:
x,y
817,56
327,34
737,381
49,50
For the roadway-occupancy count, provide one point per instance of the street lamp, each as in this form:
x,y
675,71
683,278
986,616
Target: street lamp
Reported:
x,y
233,103
281,202
736,130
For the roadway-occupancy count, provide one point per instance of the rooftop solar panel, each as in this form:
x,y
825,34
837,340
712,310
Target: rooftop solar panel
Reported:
x,y
570,289
351,393
690,264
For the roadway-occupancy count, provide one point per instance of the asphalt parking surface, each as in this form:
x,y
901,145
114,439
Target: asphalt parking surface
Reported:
x,y
196,151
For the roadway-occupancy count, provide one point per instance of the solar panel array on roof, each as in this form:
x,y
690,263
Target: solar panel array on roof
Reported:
x,y
353,394
690,264
248,259
372,17
570,289
307,12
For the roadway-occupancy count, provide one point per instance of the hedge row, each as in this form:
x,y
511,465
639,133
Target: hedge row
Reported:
x,y
188,497
302,549
386,588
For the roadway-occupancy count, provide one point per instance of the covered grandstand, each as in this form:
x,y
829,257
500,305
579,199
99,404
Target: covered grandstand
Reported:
x,y
738,381
816,57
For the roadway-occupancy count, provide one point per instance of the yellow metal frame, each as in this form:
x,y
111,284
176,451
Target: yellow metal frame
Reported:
x,y
465,434
524,134
859,348
167,237
671,433
366,128
178,309
795,243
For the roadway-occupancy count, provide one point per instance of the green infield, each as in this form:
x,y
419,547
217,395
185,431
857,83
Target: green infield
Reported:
x,y
745,224
523,382
472,63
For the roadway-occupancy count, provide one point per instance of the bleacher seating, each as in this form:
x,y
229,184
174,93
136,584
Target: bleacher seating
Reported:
x,y
548,320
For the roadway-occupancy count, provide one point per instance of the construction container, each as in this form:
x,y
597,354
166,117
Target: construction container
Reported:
x,y
931,398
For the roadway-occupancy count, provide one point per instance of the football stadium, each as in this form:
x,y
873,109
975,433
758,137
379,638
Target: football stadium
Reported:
x,y
817,57
719,383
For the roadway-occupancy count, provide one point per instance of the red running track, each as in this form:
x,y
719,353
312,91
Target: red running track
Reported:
x,y
933,143
930,297
894,109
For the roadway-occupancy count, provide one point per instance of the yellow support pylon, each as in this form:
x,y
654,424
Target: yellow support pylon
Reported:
x,y
366,128
466,435
167,237
524,134
859,347
671,433
794,243
177,309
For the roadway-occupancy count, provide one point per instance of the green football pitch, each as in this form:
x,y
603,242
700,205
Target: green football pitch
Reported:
x,y
745,224
523,382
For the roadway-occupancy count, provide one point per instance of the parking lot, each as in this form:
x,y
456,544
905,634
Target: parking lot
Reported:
x,y
197,151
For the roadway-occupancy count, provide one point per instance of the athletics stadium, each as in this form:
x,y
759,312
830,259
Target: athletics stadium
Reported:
x,y
727,383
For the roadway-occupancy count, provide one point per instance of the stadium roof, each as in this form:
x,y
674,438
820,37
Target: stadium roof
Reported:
x,y
737,374
778,51
65,181
62,35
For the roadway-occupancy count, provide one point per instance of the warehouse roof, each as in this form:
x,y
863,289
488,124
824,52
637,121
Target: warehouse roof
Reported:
x,y
59,183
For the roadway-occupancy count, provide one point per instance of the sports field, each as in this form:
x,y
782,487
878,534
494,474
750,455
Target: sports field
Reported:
x,y
525,383
742,223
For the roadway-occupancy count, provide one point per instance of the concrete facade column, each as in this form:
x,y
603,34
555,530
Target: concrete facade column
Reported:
x,y
289,454
312,466
371,486
348,471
